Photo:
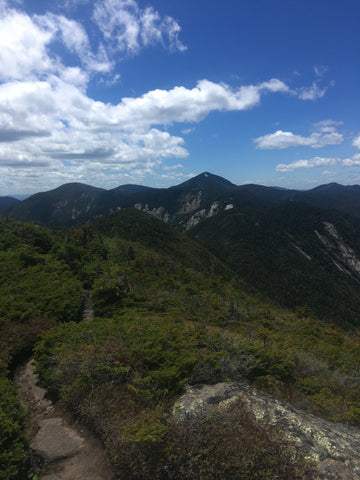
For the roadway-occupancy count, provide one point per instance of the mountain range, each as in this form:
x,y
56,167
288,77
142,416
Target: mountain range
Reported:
x,y
300,248
183,205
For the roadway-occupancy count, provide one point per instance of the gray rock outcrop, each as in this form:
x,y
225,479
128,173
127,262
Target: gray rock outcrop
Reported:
x,y
335,448
54,441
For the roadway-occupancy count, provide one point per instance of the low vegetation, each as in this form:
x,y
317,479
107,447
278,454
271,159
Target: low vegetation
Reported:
x,y
167,314
37,291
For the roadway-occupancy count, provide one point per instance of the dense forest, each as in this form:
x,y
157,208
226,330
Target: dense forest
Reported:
x,y
295,253
167,313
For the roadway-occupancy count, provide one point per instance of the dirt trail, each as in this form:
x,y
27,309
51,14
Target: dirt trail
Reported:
x,y
61,448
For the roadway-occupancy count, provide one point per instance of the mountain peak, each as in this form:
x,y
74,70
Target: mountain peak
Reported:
x,y
328,187
207,176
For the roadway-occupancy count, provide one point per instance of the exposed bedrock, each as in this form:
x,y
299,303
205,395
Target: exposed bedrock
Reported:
x,y
335,448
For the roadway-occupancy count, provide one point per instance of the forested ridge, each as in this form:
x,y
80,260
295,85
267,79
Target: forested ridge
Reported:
x,y
295,253
167,313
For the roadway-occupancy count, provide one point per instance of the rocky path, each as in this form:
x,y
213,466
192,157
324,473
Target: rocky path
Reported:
x,y
88,312
61,448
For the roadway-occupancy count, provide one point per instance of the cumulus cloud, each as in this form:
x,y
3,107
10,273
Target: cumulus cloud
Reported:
x,y
25,48
328,129
280,139
114,138
352,162
181,104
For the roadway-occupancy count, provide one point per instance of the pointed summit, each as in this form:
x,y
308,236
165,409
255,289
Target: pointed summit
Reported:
x,y
207,177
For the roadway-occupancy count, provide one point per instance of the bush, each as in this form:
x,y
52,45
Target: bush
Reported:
x,y
13,445
230,445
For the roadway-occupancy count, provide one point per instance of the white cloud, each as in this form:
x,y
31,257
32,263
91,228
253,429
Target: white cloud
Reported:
x,y
186,131
356,142
280,139
327,126
26,42
275,85
46,123
320,70
190,105
311,93
311,163
128,28
319,162
70,4
172,167
352,162
23,47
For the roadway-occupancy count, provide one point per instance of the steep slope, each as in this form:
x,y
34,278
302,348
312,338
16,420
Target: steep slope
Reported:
x,y
65,205
136,226
183,204
189,202
295,253
167,314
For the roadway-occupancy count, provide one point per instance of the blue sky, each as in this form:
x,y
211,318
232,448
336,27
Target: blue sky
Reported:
x,y
109,92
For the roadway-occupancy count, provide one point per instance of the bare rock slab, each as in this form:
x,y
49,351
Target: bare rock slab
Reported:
x,y
54,441
335,448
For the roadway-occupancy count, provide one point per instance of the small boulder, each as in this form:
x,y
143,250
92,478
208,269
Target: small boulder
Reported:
x,y
53,442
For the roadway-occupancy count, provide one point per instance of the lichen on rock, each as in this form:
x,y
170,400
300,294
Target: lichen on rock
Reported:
x,y
335,448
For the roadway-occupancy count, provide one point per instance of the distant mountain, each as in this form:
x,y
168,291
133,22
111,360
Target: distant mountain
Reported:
x,y
7,202
63,206
205,177
332,196
343,198
201,196
295,253
184,205
130,188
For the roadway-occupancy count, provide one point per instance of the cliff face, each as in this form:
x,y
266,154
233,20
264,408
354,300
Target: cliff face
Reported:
x,y
335,448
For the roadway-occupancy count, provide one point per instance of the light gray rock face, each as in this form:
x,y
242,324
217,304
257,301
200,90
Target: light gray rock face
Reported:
x,y
335,448
54,441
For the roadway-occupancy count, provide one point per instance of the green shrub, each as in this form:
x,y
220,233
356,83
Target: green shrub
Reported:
x,y
230,445
13,445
